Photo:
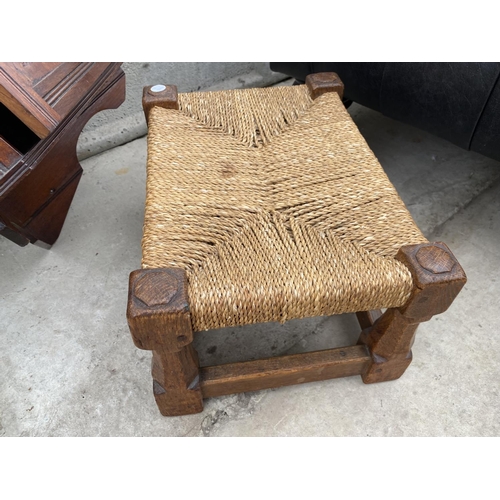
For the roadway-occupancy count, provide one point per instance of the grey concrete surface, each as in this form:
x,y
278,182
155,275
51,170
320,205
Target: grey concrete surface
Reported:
x,y
111,128
68,366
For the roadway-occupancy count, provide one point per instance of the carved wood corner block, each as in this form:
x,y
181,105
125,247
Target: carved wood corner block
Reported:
x,y
164,96
158,309
319,83
437,278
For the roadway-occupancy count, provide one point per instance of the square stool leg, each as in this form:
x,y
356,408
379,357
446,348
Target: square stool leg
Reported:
x,y
437,278
159,320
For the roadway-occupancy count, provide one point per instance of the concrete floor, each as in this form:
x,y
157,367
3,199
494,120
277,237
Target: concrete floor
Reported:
x,y
68,366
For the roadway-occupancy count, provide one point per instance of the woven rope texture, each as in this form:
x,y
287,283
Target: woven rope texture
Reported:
x,y
275,206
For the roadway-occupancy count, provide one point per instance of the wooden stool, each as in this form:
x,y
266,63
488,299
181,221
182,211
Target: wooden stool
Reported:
x,y
266,205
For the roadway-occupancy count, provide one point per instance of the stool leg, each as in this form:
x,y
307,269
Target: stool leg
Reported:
x,y
176,381
389,340
320,83
159,320
437,278
164,96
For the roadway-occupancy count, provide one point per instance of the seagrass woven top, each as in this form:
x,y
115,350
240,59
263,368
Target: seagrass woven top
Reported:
x,y
275,206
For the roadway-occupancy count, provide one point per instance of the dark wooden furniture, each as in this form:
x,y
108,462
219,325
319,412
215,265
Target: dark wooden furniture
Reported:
x,y
159,317
43,109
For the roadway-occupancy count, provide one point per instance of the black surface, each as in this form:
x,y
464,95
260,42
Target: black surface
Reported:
x,y
459,102
486,139
15,132
446,99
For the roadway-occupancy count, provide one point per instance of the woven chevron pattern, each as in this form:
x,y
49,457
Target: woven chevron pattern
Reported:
x,y
275,206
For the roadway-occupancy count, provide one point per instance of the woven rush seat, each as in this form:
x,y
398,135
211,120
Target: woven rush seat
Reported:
x,y
264,205
275,206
